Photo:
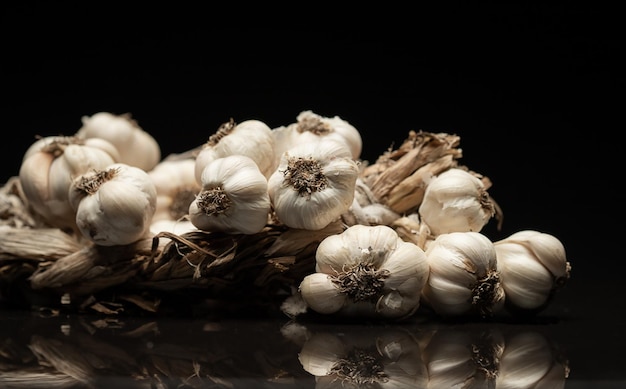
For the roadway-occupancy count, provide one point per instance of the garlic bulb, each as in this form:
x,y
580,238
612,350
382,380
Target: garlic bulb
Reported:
x,y
176,187
251,138
464,277
136,146
49,166
114,206
313,185
456,201
233,197
391,359
366,270
533,266
311,127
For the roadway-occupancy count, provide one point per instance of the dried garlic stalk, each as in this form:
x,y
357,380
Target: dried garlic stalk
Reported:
x,y
397,178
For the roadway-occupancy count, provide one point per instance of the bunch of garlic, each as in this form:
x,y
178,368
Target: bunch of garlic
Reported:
x,y
136,147
48,167
114,205
456,201
366,270
251,138
313,185
233,197
464,277
311,127
533,266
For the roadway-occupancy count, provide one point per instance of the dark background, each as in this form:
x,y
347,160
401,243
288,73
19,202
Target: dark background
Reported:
x,y
531,89
536,93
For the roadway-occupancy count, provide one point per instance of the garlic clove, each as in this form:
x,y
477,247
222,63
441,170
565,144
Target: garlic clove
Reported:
x,y
321,294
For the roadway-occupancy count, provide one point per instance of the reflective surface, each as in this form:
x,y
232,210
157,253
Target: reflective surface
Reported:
x,y
563,346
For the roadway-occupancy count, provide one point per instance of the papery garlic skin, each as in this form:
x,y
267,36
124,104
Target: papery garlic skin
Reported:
x,y
114,206
366,270
312,127
464,277
176,187
456,201
251,138
533,266
136,146
313,185
233,198
48,168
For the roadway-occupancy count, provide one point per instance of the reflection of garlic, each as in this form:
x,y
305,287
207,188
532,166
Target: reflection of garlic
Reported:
x,y
233,197
113,206
366,270
533,266
464,358
456,201
313,185
464,278
49,166
252,138
136,146
311,127
390,360
526,360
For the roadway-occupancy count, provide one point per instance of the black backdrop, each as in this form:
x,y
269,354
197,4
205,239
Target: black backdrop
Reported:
x,y
530,90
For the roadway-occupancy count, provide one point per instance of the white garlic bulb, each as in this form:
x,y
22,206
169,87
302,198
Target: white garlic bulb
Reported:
x,y
533,266
49,166
114,206
136,146
311,127
464,278
251,138
366,270
456,201
233,198
176,187
313,185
